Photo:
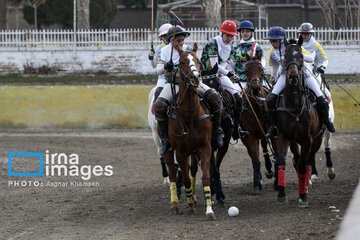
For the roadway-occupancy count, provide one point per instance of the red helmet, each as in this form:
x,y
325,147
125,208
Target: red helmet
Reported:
x,y
228,27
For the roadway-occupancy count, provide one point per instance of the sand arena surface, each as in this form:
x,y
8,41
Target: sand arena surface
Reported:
x,y
133,203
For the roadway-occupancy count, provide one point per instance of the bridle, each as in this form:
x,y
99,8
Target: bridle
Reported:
x,y
294,80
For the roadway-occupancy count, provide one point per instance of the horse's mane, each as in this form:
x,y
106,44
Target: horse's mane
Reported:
x,y
292,41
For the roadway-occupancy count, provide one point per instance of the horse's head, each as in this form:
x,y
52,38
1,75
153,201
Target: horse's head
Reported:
x,y
189,67
294,61
210,77
255,73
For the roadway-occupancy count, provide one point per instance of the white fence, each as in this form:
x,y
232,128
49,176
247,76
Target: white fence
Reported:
x,y
64,39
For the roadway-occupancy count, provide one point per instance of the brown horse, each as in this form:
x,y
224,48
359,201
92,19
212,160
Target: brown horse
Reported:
x,y
255,94
298,123
189,134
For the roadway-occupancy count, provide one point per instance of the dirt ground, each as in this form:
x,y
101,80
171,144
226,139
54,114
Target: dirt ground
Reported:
x,y
133,203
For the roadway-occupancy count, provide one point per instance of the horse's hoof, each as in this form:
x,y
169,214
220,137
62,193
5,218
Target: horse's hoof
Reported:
x,y
256,190
220,202
282,199
302,203
191,211
166,181
175,211
210,217
269,175
331,173
314,178
276,187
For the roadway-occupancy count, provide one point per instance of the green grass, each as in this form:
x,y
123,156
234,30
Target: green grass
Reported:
x,y
18,79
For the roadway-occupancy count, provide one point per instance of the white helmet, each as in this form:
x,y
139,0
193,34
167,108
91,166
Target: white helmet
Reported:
x,y
163,30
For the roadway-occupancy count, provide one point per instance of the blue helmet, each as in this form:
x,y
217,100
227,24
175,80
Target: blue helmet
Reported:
x,y
246,25
276,33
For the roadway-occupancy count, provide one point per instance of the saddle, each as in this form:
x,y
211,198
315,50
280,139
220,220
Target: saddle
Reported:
x,y
310,100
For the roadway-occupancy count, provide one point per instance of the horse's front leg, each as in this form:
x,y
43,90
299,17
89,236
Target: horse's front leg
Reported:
x,y
252,145
184,166
194,170
281,163
329,164
169,158
303,172
268,165
205,154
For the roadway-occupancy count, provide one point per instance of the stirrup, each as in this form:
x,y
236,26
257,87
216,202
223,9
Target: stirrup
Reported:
x,y
272,132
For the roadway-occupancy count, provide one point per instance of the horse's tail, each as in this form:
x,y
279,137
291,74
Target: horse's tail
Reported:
x,y
151,119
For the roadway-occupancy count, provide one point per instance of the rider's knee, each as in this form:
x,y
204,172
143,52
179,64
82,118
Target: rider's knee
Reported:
x,y
212,96
161,106
271,100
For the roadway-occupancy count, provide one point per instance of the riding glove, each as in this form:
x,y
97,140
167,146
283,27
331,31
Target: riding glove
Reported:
x,y
169,66
321,69
151,54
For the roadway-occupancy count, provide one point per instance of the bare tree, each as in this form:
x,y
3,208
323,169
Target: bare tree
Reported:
x,y
83,14
35,4
3,14
212,12
356,3
16,4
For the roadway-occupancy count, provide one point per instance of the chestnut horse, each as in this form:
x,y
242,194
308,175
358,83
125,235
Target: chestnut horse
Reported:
x,y
189,134
257,123
298,122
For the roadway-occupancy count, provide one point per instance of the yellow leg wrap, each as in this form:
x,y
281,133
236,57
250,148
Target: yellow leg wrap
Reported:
x,y
173,192
193,185
207,194
266,153
189,198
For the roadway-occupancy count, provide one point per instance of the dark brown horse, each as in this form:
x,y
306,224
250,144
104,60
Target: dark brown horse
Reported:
x,y
256,123
298,123
189,134
211,79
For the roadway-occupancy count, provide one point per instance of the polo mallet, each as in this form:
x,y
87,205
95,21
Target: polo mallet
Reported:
x,y
177,21
152,25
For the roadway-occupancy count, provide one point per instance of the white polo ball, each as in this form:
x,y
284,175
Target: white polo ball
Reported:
x,y
233,211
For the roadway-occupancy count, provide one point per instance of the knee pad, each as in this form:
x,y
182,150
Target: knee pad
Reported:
x,y
161,106
212,96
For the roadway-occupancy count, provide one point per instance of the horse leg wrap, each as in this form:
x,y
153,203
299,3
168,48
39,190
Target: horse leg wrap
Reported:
x,y
173,192
302,183
193,185
189,198
207,195
281,176
328,157
308,172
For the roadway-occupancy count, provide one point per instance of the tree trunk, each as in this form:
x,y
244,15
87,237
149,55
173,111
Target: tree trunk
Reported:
x,y
83,14
35,17
3,14
212,12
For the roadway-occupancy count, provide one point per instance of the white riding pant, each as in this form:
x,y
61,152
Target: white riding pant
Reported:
x,y
310,82
161,81
167,94
228,85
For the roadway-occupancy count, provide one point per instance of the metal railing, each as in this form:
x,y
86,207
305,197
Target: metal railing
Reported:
x,y
142,37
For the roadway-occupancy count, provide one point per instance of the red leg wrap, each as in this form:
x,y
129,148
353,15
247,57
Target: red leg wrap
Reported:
x,y
302,183
281,176
308,172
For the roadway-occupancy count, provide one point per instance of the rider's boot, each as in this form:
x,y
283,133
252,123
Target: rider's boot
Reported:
x,y
238,132
157,92
161,116
324,113
213,99
271,103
